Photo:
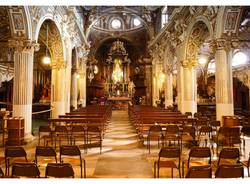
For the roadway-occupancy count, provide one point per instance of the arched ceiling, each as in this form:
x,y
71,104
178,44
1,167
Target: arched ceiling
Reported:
x,y
98,21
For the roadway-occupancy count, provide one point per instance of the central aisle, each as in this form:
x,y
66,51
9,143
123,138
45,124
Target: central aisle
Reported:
x,y
123,155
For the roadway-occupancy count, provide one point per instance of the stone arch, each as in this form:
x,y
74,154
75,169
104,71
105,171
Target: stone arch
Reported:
x,y
55,42
198,31
44,18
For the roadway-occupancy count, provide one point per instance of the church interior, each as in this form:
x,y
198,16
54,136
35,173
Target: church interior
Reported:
x,y
124,92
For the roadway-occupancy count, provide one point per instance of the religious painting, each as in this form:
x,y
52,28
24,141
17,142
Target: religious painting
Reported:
x,y
231,20
18,21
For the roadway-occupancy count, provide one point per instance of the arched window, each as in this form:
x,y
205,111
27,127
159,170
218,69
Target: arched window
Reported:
x,y
136,22
239,58
116,24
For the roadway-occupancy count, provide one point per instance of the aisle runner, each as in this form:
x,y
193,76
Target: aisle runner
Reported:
x,y
127,158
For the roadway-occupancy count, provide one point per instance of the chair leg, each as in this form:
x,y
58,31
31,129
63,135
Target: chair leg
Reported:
x,y
155,170
172,172
84,167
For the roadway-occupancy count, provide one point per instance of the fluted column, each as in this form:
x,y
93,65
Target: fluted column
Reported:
x,y
223,79
169,89
23,80
190,89
82,84
74,89
58,89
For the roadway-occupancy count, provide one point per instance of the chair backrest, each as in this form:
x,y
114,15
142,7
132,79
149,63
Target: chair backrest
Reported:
x,y
214,123
190,130
229,153
170,152
93,129
44,129
77,128
205,129
172,129
59,170
70,151
199,152
230,171
199,172
45,151
155,130
16,151
61,129
29,170
188,113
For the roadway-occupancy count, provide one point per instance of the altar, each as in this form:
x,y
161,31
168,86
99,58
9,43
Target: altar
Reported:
x,y
120,103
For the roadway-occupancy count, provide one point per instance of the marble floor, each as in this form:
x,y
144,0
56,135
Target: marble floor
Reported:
x,y
123,154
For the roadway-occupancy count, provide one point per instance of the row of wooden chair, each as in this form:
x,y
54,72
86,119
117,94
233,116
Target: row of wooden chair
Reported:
x,y
31,170
68,154
199,162
70,135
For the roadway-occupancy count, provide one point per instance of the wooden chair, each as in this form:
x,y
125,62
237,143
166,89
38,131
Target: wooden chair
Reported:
x,y
94,134
229,156
165,160
78,134
59,170
205,132
230,171
188,136
155,133
61,134
28,170
199,172
13,155
48,152
200,153
45,133
70,153
172,134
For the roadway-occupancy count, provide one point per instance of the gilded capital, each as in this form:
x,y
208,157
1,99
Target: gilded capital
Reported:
x,y
189,63
23,45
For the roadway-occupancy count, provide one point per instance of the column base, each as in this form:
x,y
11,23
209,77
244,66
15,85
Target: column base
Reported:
x,y
168,103
189,106
24,111
58,109
224,110
28,138
74,103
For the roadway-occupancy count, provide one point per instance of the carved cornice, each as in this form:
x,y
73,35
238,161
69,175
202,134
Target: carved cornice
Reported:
x,y
224,43
23,45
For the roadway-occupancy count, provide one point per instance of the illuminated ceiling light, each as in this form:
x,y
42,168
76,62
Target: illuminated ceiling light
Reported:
x,y
46,58
239,59
137,22
175,71
78,76
116,24
202,61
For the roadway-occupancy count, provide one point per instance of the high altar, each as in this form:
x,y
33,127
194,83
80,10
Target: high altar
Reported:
x,y
118,87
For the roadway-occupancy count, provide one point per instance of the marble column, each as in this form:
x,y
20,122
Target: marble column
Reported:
x,y
190,89
82,84
74,89
223,80
23,81
169,89
58,89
